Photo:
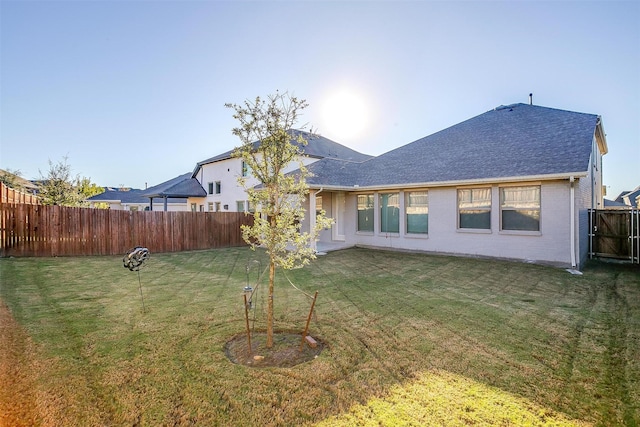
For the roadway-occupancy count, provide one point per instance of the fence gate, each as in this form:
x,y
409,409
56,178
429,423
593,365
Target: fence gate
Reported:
x,y
615,234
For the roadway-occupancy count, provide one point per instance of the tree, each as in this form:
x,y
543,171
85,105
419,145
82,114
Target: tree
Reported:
x,y
58,187
87,188
268,147
10,178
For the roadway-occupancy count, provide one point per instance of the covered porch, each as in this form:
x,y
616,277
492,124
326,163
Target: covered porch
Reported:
x,y
333,203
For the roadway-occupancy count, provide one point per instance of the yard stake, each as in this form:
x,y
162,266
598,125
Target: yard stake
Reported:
x,y
246,317
141,296
306,327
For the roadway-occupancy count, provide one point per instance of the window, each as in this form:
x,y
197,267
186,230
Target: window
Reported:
x,y
211,188
193,207
201,208
474,208
210,206
217,206
218,187
390,213
133,208
318,205
417,211
246,170
520,208
250,207
365,212
240,206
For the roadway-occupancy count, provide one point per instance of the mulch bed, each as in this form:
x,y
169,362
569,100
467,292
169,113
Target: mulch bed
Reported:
x,y
285,352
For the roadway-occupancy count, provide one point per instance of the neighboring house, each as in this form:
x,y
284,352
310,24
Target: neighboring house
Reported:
x,y
142,200
613,204
218,176
173,194
19,183
129,199
629,199
515,182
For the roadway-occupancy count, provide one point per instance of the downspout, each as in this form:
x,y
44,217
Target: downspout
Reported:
x,y
573,222
594,172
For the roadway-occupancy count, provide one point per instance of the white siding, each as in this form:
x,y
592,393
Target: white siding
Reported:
x,y
158,205
589,195
118,206
227,172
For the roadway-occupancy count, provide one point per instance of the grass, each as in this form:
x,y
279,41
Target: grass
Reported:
x,y
411,339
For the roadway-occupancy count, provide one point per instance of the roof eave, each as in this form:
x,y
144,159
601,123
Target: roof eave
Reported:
x,y
454,183
601,137
103,200
172,196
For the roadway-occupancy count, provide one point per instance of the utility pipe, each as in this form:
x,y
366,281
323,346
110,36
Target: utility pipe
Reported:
x,y
573,222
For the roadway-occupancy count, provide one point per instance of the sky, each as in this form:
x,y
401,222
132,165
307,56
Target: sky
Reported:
x,y
132,93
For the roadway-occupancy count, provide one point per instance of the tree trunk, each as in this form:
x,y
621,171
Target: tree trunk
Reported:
x,y
272,276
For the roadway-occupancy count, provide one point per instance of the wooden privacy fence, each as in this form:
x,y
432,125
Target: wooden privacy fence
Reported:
x,y
615,233
37,230
9,195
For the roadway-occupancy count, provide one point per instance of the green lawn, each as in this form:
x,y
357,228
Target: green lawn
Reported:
x,y
411,339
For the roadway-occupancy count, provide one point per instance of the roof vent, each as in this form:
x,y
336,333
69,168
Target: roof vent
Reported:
x,y
530,99
505,107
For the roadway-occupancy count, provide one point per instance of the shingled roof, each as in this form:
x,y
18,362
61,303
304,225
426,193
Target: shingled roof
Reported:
x,y
131,195
182,186
629,198
317,147
513,141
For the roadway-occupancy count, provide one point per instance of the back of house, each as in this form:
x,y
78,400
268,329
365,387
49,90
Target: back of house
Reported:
x,y
515,182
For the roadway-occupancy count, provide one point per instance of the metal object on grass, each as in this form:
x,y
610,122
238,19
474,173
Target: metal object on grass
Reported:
x,y
248,293
133,260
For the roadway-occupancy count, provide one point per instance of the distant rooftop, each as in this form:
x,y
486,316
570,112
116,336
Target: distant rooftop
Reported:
x,y
317,146
181,187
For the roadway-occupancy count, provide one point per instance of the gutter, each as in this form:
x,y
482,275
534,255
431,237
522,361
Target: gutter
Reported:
x,y
454,183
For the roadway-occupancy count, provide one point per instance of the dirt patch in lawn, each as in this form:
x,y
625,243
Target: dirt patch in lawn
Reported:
x,y
17,395
285,352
